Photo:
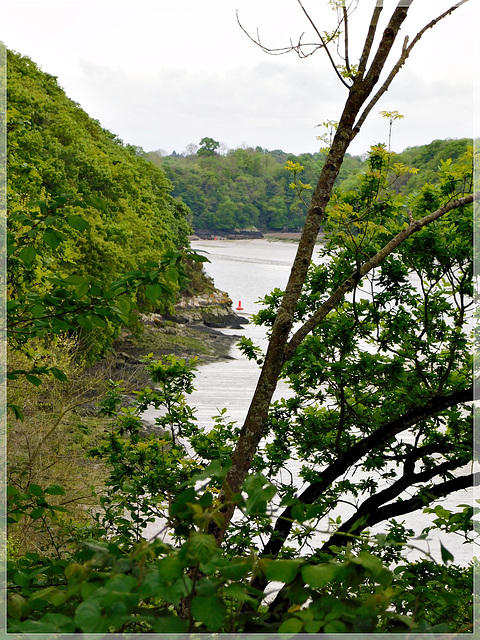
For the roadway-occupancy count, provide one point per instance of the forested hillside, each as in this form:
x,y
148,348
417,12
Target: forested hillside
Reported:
x,y
250,187
55,148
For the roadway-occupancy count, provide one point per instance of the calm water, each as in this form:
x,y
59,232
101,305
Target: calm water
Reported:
x,y
247,270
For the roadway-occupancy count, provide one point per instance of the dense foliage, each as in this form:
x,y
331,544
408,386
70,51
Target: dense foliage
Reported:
x,y
93,236
405,328
55,148
248,187
378,360
383,385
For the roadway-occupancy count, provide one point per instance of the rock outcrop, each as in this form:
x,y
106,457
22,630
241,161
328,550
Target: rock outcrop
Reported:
x,y
211,309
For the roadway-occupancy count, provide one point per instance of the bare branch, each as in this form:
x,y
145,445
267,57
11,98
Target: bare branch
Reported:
x,y
300,47
345,461
406,50
353,280
379,513
369,40
345,20
324,44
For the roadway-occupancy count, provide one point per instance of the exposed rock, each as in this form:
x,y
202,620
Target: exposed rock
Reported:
x,y
212,309
233,234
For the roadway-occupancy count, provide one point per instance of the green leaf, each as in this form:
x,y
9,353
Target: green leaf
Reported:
x,y
85,322
58,374
317,576
211,611
171,275
73,279
200,547
282,570
55,490
96,202
237,592
153,291
97,321
236,568
216,469
78,223
37,311
169,625
37,513
446,555
298,512
170,569
51,238
50,594
370,562
292,625
17,411
49,624
35,489
27,255
260,491
124,305
173,593
17,606
33,379
81,289
206,587
22,579
88,618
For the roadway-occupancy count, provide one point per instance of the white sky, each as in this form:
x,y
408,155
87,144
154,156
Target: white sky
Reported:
x,y
165,73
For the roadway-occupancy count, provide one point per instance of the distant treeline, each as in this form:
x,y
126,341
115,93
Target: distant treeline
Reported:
x,y
250,187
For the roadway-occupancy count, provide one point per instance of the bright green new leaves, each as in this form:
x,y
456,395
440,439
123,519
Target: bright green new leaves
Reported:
x,y
382,382
92,230
260,492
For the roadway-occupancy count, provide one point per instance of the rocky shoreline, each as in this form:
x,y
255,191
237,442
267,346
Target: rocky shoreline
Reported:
x,y
234,234
190,331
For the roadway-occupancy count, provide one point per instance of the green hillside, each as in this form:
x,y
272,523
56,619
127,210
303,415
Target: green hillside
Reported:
x,y
54,147
250,187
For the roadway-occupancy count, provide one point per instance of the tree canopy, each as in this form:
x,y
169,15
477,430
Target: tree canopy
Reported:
x,y
375,341
55,148
250,187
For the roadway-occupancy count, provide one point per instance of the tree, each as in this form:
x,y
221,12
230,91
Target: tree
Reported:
x,y
382,385
191,149
208,147
392,412
406,266
362,82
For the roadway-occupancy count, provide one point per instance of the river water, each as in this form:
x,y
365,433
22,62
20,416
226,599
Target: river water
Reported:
x,y
247,270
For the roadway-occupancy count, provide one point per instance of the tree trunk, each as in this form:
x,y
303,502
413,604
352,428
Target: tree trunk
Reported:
x,y
252,430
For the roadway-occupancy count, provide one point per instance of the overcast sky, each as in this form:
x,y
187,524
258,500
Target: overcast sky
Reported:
x,y
165,73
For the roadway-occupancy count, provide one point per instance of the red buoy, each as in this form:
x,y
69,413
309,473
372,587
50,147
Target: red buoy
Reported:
x,y
239,308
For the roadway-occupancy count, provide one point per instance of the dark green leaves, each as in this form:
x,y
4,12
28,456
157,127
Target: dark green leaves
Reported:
x,y
283,570
27,255
209,610
53,238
